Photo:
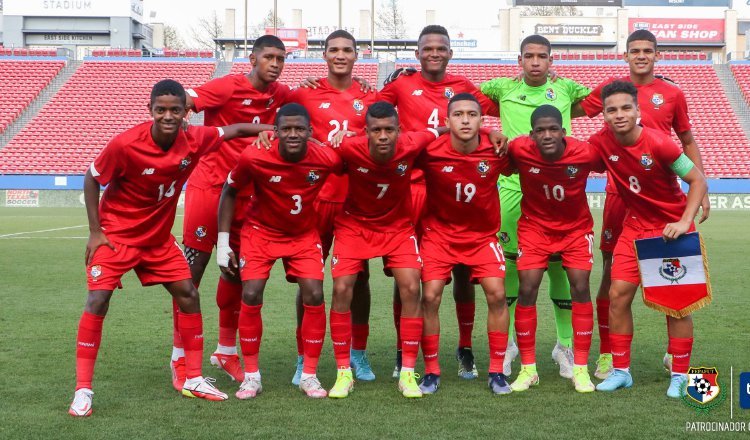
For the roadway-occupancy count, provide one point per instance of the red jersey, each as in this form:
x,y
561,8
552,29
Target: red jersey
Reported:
x,y
332,110
230,100
379,196
662,104
284,191
642,176
462,198
554,193
424,104
144,182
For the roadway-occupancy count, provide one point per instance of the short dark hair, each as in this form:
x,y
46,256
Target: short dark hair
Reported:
x,y
616,87
292,109
382,110
268,41
536,39
168,87
340,34
465,97
546,111
641,35
434,29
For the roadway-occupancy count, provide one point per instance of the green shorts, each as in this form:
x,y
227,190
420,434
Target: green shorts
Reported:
x,y
510,212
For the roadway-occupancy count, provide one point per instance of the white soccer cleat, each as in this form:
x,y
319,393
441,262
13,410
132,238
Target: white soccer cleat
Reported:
x,y
510,354
563,356
312,387
249,388
203,388
82,403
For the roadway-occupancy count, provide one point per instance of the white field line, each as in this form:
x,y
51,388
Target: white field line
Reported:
x,y
41,230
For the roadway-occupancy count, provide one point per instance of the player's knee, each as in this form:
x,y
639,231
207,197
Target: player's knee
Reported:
x,y
495,299
97,302
580,288
409,288
313,296
431,300
252,297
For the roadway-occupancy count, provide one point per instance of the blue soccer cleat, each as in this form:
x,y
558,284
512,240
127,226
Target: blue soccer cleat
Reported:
x,y
298,373
361,366
677,386
430,384
618,379
499,384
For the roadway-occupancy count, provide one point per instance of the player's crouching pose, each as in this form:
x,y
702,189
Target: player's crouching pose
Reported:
x,y
145,169
460,227
280,224
555,219
643,164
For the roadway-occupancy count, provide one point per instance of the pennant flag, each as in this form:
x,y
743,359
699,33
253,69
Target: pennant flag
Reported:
x,y
674,274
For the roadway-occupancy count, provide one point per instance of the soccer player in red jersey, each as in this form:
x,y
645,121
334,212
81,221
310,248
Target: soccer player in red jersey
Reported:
x,y
644,164
145,168
555,219
663,107
255,97
422,99
279,224
338,103
460,227
376,222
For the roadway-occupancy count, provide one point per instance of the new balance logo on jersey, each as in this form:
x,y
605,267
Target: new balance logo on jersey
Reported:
x,y
325,105
147,171
614,158
534,170
417,92
275,179
363,170
247,102
447,169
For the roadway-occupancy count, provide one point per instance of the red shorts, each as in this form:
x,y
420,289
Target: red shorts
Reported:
x,y
484,258
355,245
614,215
418,204
200,225
301,255
624,259
535,247
327,212
153,265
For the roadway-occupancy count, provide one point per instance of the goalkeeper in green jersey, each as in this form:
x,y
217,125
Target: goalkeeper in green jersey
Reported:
x,y
517,100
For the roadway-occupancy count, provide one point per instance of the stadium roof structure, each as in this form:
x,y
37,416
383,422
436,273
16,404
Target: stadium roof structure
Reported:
x,y
317,43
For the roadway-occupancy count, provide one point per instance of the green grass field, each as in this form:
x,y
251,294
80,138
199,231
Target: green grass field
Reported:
x,y
43,289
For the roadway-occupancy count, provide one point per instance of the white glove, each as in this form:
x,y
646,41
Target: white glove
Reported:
x,y
222,249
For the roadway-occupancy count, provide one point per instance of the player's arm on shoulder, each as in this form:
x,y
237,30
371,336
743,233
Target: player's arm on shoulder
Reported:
x,y
495,88
497,138
243,130
690,148
489,107
576,92
690,174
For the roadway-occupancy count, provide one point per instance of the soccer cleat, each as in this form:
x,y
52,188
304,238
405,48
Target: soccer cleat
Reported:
x,y
618,379
361,366
582,380
430,384
298,372
82,403
203,389
677,386
563,356
498,384
312,387
178,373
667,360
343,386
249,388
230,364
604,366
527,378
397,368
466,367
510,354
407,385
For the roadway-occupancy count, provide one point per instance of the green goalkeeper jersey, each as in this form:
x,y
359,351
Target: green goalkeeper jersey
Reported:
x,y
517,100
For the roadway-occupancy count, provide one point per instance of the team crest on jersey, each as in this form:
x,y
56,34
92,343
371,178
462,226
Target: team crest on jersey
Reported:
x,y
608,234
334,260
313,176
647,161
358,106
550,94
504,237
572,171
657,100
672,270
200,232
242,262
449,92
483,167
184,163
401,168
96,272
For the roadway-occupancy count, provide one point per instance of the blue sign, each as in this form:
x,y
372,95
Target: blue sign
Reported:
x,y
717,3
745,390
617,3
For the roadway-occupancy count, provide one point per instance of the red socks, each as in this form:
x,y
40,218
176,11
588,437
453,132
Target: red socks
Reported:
x,y
191,332
498,344
228,298
411,334
397,323
87,347
176,339
360,333
526,333
602,319
583,328
341,336
313,334
681,348
465,315
430,348
251,331
620,345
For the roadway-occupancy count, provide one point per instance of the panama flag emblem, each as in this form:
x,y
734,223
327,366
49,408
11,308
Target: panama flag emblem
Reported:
x,y
703,385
